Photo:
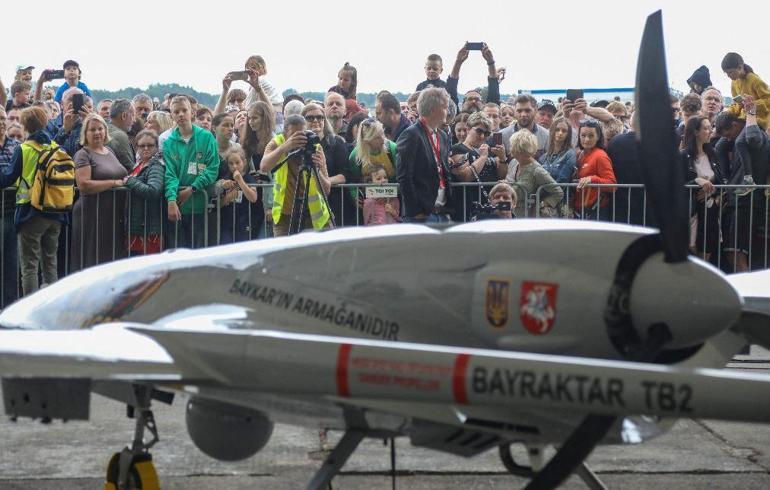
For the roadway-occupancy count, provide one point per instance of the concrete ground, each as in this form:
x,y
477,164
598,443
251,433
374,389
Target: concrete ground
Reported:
x,y
695,454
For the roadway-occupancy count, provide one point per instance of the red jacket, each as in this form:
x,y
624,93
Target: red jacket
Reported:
x,y
596,164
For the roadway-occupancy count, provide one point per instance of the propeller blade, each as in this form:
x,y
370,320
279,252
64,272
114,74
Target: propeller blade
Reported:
x,y
663,174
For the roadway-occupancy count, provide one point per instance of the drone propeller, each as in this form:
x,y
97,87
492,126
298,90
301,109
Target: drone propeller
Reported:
x,y
664,179
663,174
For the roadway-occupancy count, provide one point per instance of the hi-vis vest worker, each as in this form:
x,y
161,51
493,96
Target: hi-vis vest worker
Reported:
x,y
319,212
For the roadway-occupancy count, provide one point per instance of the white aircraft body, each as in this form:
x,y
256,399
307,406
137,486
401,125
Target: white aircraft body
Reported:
x,y
482,335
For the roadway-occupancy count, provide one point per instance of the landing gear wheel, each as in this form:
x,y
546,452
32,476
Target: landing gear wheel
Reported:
x,y
511,465
141,473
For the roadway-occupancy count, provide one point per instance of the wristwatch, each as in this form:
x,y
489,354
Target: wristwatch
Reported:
x,y
752,113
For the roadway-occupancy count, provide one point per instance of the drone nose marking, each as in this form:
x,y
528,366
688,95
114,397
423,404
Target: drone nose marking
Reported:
x,y
458,379
343,358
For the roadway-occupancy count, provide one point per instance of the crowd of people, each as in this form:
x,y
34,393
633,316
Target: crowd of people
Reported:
x,y
157,174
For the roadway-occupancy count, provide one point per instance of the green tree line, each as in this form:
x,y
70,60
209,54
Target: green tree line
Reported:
x,y
159,90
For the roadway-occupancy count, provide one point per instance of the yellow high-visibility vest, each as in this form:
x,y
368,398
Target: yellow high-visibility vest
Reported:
x,y
319,212
30,152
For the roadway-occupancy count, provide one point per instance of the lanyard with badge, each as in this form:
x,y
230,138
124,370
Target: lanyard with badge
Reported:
x,y
436,147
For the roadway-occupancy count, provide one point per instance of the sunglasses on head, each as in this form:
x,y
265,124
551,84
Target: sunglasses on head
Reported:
x,y
589,123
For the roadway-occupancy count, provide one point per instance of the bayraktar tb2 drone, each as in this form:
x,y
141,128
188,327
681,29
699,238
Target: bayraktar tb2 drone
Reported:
x,y
484,335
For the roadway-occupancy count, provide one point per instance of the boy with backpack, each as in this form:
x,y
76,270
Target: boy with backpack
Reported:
x,y
45,178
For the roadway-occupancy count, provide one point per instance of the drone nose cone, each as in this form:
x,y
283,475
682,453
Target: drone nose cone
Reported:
x,y
691,297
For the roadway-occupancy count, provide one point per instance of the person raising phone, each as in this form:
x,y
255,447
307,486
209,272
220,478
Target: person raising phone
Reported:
x,y
493,83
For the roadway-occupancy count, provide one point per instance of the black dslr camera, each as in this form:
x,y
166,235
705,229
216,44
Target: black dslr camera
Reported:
x,y
310,146
488,211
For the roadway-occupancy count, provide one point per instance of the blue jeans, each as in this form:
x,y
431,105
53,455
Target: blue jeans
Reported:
x,y
430,218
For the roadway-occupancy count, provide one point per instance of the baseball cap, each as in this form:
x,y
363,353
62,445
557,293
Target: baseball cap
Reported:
x,y
547,104
24,68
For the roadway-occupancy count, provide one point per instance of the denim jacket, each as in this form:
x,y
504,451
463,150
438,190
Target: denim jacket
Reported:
x,y
561,166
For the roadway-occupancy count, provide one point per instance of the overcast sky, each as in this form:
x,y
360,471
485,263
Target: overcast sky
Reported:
x,y
544,44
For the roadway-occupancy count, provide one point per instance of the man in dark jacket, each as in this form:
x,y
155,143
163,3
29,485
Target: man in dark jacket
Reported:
x,y
743,150
422,155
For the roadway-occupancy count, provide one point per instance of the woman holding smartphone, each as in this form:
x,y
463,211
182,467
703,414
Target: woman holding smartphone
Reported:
x,y
473,160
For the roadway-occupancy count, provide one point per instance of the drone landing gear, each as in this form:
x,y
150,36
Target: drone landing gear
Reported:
x,y
357,430
536,454
132,468
337,459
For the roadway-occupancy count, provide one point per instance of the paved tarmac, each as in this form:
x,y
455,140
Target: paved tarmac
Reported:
x,y
695,454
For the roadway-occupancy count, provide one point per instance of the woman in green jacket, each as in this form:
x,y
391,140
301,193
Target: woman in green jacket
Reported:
x,y
145,206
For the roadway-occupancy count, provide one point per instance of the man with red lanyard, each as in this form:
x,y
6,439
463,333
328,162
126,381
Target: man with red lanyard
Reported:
x,y
422,155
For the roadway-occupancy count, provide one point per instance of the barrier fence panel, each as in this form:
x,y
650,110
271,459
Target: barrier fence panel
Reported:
x,y
731,225
730,228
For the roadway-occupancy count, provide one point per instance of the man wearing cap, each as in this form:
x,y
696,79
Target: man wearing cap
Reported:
x,y
72,75
546,109
24,73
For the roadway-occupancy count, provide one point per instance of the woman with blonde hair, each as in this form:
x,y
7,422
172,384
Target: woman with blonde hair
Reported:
x,y
162,123
529,176
98,216
159,121
373,147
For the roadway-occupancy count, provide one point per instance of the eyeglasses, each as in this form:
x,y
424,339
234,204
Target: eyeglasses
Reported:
x,y
317,118
482,132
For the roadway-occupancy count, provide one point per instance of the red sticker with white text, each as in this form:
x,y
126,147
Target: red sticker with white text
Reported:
x,y
537,306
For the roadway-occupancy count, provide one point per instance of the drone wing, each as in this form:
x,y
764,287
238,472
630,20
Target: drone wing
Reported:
x,y
104,352
347,368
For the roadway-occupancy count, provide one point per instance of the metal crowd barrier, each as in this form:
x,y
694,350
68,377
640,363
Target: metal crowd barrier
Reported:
x,y
740,233
745,246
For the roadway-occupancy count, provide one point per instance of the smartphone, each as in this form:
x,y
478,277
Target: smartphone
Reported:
x,y
497,139
239,75
474,46
738,99
574,94
77,102
54,74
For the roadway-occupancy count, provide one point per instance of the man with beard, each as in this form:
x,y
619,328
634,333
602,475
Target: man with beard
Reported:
x,y
475,103
524,109
388,111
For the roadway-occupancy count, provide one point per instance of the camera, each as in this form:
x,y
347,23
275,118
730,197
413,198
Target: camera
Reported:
x,y
307,151
488,211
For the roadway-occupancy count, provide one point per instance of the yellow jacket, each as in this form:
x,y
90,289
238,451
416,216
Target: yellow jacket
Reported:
x,y
754,86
